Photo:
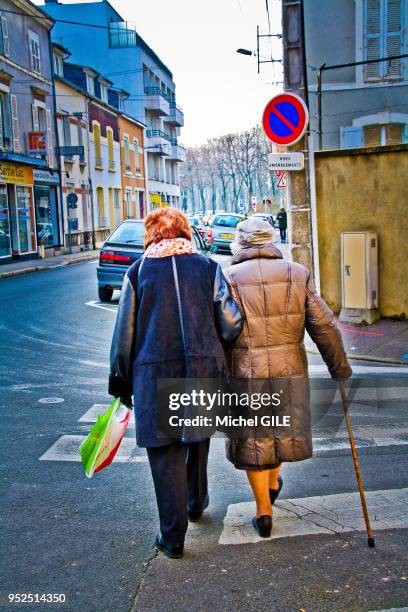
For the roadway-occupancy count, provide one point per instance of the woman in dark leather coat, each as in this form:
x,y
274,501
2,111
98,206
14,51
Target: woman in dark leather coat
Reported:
x,y
175,314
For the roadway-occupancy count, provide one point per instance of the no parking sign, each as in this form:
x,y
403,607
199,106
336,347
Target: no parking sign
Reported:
x,y
285,119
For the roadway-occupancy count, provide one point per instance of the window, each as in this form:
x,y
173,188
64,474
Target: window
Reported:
x,y
97,144
80,139
380,135
58,65
5,124
137,157
383,37
102,220
128,168
121,103
90,84
104,93
111,158
66,126
35,53
4,38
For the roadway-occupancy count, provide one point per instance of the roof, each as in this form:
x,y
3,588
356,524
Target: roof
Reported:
x,y
36,11
61,48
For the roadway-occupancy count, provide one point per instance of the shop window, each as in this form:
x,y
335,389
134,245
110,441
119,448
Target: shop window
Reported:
x,y
5,238
46,214
35,51
25,219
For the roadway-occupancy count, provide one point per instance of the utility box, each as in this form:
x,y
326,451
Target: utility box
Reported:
x,y
359,277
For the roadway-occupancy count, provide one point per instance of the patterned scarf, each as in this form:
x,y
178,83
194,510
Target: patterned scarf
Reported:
x,y
170,246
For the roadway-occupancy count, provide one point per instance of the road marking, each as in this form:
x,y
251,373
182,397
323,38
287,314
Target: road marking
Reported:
x,y
334,514
96,364
342,442
51,400
66,448
95,304
95,410
321,371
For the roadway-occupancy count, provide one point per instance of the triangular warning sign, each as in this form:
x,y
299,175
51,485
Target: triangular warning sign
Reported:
x,y
281,183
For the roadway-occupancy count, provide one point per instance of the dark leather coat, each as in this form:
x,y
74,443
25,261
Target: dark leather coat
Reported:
x,y
172,321
279,301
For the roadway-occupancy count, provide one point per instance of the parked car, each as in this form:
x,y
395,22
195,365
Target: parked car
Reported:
x,y
223,230
266,217
123,247
204,230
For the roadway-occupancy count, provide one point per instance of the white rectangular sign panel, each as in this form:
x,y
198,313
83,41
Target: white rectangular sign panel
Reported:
x,y
286,161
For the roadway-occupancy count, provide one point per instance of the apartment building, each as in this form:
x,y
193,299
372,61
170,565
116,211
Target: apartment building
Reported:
x,y
116,50
30,211
362,102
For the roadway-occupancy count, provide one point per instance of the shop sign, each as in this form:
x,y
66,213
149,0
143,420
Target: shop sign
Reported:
x,y
37,143
44,176
18,175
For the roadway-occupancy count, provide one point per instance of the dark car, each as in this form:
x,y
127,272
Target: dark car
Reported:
x,y
124,246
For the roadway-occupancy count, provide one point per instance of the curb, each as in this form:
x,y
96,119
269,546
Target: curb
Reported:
x,y
47,267
388,360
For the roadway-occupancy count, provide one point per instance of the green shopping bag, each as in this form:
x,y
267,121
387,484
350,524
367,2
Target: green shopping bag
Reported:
x,y
99,448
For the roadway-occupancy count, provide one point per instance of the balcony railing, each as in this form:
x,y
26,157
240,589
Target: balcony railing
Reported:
x,y
158,134
98,163
103,221
112,165
156,91
128,168
122,34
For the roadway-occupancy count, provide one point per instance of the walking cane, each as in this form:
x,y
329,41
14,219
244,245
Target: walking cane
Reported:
x,y
370,535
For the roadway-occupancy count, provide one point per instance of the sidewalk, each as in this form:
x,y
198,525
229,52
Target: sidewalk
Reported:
x,y
36,265
386,341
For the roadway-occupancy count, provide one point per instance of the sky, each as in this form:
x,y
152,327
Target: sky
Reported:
x,y
219,90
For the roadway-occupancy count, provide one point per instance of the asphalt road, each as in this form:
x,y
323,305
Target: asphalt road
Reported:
x,y
92,539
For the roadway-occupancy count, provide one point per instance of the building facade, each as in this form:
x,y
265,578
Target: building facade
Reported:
x,y
30,211
364,104
72,109
152,99
133,165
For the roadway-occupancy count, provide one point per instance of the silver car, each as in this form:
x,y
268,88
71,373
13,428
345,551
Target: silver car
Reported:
x,y
223,230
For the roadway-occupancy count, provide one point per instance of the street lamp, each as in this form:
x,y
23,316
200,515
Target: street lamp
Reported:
x,y
244,51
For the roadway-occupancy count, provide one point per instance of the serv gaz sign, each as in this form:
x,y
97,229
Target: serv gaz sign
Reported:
x,y
285,119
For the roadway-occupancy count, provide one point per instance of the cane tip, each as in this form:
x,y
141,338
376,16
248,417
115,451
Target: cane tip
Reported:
x,y
371,542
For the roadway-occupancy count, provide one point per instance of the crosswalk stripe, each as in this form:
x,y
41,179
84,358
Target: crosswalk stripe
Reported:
x,y
66,448
95,410
334,514
321,371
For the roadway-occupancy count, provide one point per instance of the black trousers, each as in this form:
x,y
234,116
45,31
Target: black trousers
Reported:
x,y
179,474
283,235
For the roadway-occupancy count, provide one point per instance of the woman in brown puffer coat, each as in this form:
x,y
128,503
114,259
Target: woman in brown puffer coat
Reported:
x,y
278,301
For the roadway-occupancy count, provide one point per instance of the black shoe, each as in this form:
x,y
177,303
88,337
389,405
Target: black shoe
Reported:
x,y
195,515
173,551
263,525
274,493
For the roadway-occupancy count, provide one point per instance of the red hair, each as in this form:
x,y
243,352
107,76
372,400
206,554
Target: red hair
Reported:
x,y
165,223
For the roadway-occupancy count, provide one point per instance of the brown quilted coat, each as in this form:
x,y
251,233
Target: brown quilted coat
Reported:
x,y
279,301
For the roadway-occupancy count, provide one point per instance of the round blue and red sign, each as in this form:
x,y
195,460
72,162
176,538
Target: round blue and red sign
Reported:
x,y
285,119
